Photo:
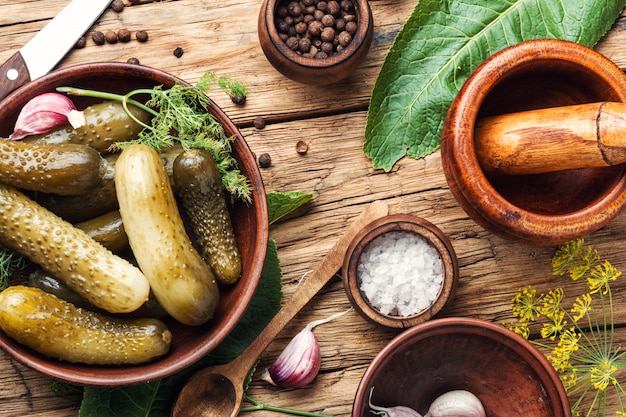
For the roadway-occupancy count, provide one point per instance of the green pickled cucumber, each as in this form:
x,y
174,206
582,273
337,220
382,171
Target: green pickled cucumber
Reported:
x,y
108,230
51,284
107,124
198,185
94,202
65,169
58,329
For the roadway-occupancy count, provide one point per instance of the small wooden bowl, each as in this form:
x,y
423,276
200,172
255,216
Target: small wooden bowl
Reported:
x,y
509,376
540,209
399,223
250,223
309,70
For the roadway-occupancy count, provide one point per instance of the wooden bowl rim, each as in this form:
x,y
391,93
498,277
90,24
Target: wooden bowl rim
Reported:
x,y
94,375
467,325
408,223
475,191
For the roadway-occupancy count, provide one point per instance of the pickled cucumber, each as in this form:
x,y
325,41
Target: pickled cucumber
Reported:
x,y
107,124
198,185
58,329
65,169
108,230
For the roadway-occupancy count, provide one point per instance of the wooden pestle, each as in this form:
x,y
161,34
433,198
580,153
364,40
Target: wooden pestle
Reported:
x,y
553,139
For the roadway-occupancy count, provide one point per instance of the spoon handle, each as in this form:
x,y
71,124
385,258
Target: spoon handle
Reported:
x,y
310,285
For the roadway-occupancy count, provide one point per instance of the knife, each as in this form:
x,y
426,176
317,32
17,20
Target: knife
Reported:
x,y
50,44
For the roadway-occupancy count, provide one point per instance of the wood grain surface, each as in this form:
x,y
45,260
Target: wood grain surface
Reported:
x,y
220,36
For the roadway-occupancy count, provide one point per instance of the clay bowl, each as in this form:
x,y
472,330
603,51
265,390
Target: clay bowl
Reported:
x,y
539,209
249,221
439,249
508,375
307,69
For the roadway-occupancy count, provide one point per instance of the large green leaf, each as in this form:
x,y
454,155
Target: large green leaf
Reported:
x,y
441,43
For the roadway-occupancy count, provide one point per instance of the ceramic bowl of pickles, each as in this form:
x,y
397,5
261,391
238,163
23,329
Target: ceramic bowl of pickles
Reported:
x,y
145,310
471,366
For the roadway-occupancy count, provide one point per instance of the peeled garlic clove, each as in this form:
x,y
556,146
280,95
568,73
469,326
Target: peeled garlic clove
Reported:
x,y
45,112
457,403
396,411
298,364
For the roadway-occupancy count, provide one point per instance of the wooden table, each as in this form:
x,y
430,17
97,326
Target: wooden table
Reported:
x,y
220,36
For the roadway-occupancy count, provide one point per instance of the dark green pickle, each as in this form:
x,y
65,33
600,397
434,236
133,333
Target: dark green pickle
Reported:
x,y
107,124
199,187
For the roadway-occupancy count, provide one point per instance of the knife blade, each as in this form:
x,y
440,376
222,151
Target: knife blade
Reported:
x,y
50,44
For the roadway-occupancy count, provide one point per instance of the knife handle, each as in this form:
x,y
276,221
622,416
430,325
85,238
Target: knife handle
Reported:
x,y
13,74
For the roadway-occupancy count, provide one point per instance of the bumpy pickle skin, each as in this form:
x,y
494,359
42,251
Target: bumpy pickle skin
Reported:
x,y
180,279
58,329
107,124
64,169
198,186
106,280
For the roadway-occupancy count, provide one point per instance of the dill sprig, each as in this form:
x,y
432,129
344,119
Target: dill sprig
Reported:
x,y
10,263
180,114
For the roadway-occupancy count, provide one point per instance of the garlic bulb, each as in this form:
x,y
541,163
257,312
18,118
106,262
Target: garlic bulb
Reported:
x,y
45,112
298,364
457,403
396,411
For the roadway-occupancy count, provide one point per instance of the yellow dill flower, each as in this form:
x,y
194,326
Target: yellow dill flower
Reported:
x,y
581,307
560,355
555,326
525,304
602,374
600,276
551,302
523,329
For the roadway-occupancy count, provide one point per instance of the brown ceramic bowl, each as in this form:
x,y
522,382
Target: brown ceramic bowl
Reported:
x,y
427,233
307,69
250,223
508,375
539,209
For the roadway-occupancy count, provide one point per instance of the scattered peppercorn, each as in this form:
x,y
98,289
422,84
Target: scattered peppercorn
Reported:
x,y
123,35
117,6
110,36
239,100
265,160
259,122
302,147
133,61
82,41
316,28
141,35
97,37
178,52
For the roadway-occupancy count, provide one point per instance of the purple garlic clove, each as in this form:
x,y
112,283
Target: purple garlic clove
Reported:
x,y
45,112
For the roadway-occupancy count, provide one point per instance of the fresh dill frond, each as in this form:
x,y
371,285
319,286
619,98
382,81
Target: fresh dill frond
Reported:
x,y
10,263
183,117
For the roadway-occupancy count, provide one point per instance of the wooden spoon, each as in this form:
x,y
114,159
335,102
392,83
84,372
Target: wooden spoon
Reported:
x,y
553,139
217,391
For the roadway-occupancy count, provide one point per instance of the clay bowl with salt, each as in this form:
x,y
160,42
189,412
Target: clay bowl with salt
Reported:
x,y
400,270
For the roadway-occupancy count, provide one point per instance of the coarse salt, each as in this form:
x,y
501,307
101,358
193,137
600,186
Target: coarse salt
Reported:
x,y
400,273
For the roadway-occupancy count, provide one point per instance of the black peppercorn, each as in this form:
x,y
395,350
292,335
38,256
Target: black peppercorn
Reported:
x,y
82,41
178,52
344,38
328,20
265,160
294,8
292,43
304,45
123,35
133,61
141,35
328,34
117,6
110,36
98,38
259,122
